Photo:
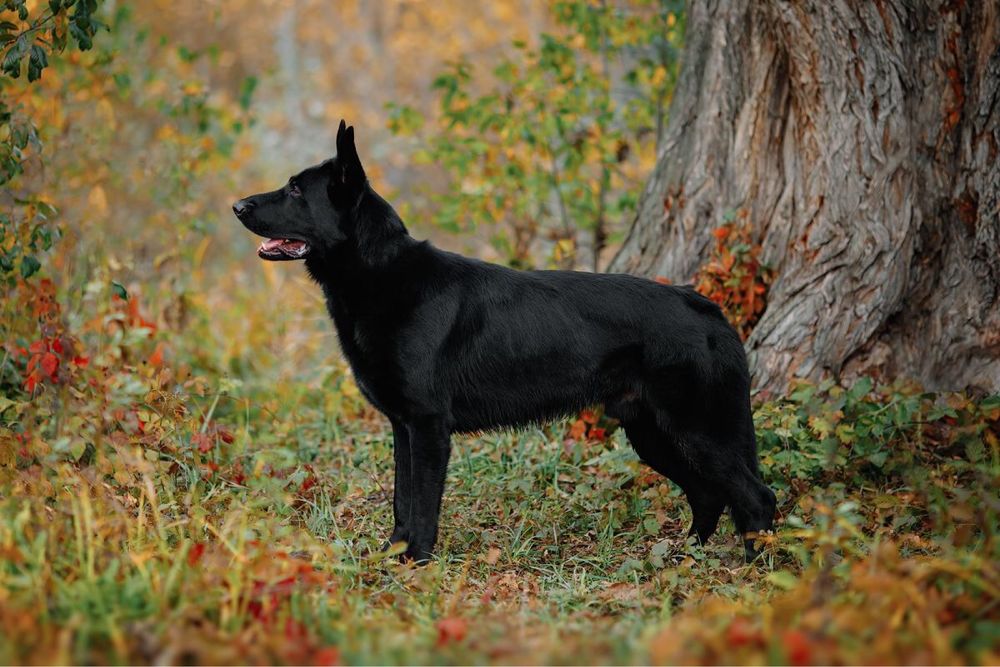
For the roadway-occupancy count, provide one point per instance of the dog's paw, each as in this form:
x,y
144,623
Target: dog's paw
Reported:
x,y
753,544
416,554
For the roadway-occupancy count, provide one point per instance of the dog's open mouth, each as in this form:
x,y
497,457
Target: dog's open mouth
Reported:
x,y
278,249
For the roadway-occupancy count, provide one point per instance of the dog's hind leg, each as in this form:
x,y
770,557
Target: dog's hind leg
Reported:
x,y
754,504
660,452
731,466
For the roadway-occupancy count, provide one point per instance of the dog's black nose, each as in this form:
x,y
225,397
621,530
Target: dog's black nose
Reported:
x,y
242,207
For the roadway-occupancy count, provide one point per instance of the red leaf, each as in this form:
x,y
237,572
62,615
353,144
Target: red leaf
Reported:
x,y
81,362
38,347
598,433
740,633
57,346
578,429
203,442
797,647
328,655
294,630
50,364
451,630
156,359
195,553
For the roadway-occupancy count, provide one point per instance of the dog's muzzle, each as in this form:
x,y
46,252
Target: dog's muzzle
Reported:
x,y
242,208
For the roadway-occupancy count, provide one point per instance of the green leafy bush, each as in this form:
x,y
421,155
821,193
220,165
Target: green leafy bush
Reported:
x,y
552,155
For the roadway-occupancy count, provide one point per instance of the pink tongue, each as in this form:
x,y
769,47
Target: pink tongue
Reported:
x,y
271,244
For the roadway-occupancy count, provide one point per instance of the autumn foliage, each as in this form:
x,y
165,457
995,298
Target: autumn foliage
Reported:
x,y
734,276
189,474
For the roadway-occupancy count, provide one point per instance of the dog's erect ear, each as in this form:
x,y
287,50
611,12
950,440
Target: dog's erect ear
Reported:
x,y
340,132
348,177
348,165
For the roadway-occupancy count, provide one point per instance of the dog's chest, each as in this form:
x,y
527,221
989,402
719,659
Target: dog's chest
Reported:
x,y
372,361
390,350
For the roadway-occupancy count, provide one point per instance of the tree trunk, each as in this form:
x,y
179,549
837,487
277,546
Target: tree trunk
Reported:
x,y
862,138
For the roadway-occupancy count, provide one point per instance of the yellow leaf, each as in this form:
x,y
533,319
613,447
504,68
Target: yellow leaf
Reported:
x,y
659,75
348,388
166,132
107,111
7,452
97,200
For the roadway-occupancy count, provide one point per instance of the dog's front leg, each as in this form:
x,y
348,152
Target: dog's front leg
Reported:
x,y
402,491
430,447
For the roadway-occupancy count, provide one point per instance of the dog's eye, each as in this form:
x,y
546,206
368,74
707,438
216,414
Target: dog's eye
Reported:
x,y
293,189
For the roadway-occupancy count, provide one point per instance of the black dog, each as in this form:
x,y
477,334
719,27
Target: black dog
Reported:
x,y
441,344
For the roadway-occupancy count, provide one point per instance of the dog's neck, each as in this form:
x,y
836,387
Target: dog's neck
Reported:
x,y
377,244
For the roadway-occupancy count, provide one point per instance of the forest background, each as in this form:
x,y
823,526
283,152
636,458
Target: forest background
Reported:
x,y
188,472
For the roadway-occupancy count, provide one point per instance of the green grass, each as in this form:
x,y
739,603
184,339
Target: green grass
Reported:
x,y
265,548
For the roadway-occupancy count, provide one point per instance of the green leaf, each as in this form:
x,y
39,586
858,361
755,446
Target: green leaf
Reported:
x,y
661,548
860,388
5,403
783,579
81,31
12,60
6,32
29,266
975,451
878,458
37,62
119,290
38,56
990,402
246,91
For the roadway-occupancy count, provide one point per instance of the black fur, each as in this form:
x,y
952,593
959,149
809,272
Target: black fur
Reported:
x,y
441,343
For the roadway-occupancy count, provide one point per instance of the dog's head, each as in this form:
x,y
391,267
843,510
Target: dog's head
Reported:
x,y
311,213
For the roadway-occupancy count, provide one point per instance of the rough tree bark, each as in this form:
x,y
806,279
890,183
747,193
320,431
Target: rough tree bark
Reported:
x,y
862,139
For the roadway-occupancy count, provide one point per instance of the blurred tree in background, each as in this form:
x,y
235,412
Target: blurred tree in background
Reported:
x,y
25,46
102,148
547,162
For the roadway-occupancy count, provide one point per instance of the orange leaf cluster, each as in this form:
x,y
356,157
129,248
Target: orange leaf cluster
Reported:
x,y
734,277
590,425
